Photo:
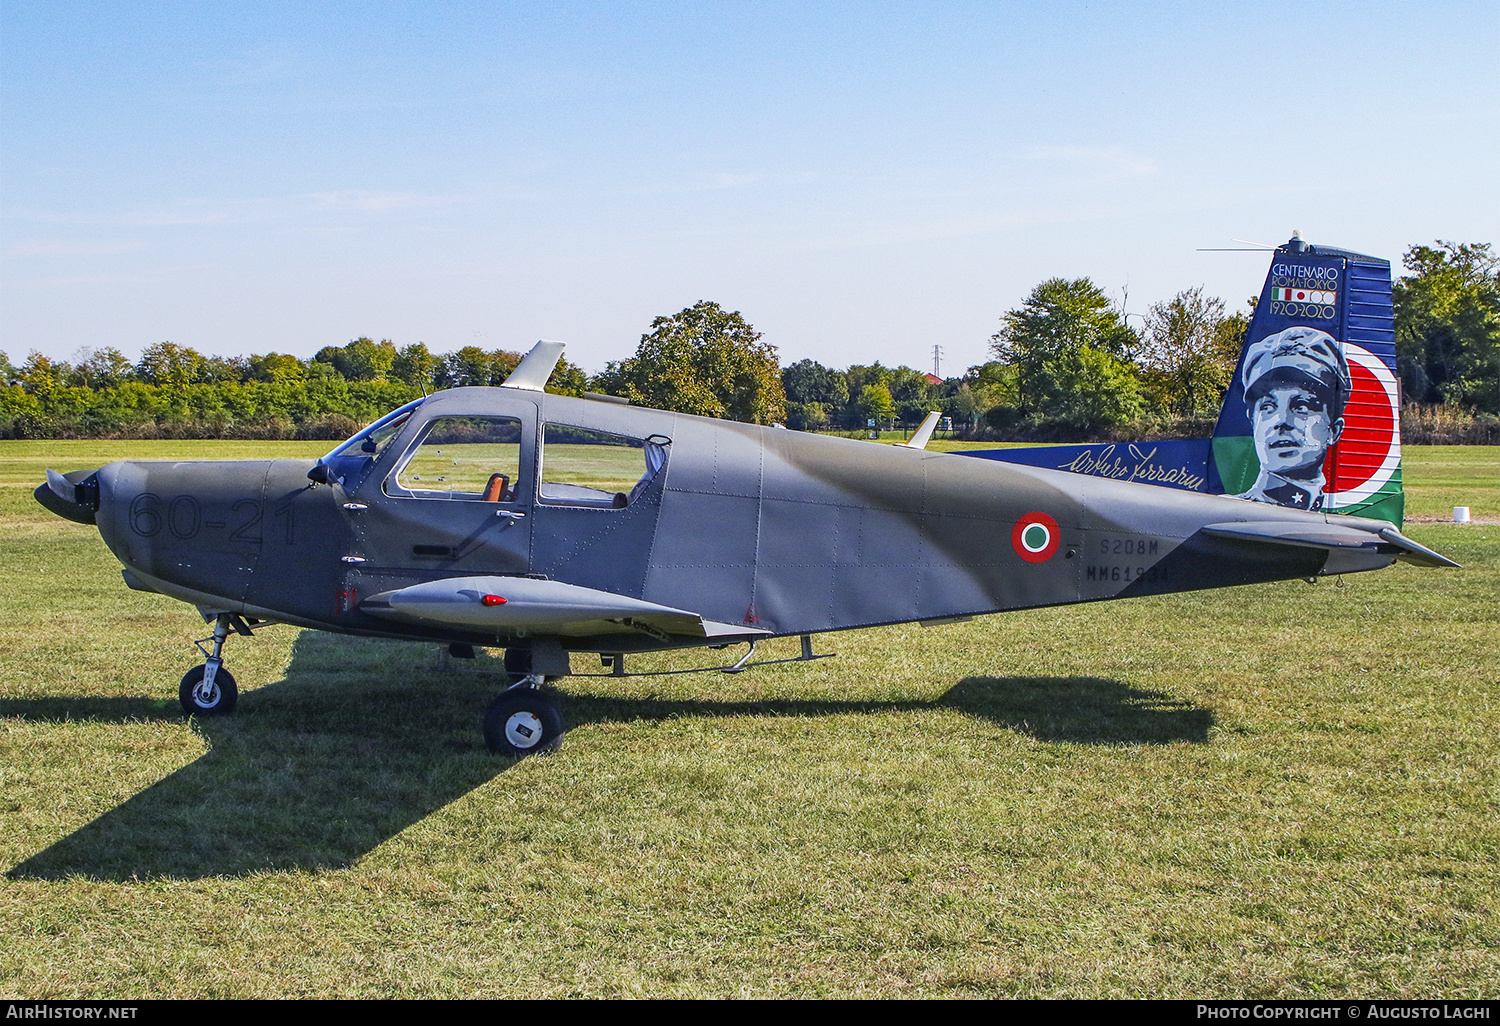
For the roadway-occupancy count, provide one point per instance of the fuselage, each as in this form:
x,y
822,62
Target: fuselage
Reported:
x,y
780,531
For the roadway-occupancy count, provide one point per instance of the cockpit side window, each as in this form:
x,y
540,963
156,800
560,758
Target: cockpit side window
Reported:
x,y
586,467
474,459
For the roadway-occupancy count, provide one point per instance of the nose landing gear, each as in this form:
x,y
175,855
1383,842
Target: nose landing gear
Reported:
x,y
209,690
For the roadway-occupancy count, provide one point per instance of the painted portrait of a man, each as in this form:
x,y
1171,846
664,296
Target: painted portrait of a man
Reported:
x,y
1295,382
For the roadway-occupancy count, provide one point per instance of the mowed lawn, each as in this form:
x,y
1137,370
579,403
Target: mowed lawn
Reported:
x,y
1281,790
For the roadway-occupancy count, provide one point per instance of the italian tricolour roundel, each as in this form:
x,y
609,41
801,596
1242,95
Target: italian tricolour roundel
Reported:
x,y
1369,449
1035,537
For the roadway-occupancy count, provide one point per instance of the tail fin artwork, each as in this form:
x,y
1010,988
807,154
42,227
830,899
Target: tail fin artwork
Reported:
x,y
1312,418
1323,333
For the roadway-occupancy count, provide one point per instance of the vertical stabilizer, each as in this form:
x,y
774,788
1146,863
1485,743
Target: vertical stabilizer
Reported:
x,y
1312,418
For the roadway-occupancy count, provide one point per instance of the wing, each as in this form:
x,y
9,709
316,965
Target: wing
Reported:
x,y
522,604
924,432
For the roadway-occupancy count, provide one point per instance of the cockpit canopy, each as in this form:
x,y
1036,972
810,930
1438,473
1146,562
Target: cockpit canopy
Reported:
x,y
490,457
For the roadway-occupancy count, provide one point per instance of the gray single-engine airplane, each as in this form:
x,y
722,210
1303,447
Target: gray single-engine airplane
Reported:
x,y
547,524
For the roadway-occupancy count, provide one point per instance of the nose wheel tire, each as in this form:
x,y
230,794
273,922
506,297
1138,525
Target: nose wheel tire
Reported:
x,y
198,700
523,722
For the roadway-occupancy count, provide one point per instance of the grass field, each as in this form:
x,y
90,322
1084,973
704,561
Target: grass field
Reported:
x,y
1275,791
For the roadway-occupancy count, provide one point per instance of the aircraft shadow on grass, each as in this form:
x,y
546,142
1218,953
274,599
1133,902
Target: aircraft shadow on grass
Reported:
x,y
314,771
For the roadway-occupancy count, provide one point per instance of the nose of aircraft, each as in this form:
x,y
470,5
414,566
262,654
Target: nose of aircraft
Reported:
x,y
73,496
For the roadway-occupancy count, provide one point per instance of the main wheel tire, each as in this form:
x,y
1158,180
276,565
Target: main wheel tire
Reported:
x,y
523,722
220,703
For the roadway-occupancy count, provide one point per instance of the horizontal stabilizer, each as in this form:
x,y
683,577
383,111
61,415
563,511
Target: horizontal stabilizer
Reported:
x,y
1411,552
1313,536
1386,541
510,604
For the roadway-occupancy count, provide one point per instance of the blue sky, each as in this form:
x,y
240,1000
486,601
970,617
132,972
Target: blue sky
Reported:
x,y
862,181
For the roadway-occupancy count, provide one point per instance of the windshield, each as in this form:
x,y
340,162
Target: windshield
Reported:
x,y
373,438
352,459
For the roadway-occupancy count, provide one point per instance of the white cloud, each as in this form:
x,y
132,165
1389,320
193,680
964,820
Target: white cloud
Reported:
x,y
1104,163
52,248
727,180
253,210
374,201
151,276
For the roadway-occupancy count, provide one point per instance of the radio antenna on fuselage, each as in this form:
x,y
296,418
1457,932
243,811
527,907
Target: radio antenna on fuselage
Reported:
x,y
1259,246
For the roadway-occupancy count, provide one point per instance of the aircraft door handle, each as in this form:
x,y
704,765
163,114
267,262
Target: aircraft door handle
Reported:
x,y
510,514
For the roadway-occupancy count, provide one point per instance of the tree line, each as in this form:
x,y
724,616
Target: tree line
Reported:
x,y
1066,364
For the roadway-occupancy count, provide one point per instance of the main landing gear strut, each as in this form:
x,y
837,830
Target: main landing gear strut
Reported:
x,y
524,720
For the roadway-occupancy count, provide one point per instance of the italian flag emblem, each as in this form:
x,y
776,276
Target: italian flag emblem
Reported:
x,y
1321,297
1035,537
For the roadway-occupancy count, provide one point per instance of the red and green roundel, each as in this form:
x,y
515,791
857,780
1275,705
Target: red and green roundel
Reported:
x,y
1035,537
